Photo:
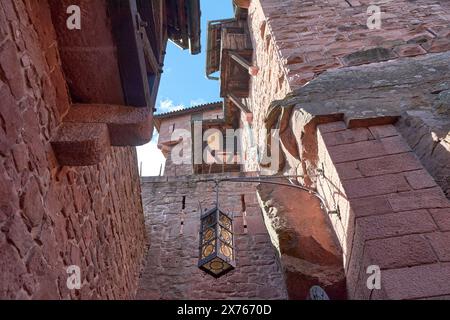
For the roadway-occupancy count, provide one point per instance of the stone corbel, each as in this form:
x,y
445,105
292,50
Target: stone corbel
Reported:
x,y
89,130
167,146
253,71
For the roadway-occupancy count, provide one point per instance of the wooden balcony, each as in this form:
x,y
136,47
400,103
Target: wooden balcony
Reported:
x,y
230,52
219,160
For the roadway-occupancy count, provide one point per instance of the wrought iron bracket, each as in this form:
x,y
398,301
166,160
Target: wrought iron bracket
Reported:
x,y
265,180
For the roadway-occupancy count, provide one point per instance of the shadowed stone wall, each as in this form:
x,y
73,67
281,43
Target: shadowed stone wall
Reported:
x,y
171,270
327,66
297,41
52,217
392,212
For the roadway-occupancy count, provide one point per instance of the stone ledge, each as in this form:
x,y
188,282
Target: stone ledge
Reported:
x,y
81,144
127,126
360,96
193,178
89,130
365,122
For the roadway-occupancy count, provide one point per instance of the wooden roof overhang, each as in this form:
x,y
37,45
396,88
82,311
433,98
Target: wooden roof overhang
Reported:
x,y
138,62
234,76
183,23
230,52
214,45
159,118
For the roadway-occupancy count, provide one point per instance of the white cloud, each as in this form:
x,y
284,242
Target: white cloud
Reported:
x,y
151,157
197,102
167,105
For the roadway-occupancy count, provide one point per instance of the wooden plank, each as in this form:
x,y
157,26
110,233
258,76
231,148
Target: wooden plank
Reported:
x,y
152,60
238,103
240,60
154,93
182,23
150,14
235,78
162,26
132,64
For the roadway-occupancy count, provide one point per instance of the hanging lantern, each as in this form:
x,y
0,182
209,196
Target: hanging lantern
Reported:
x,y
217,256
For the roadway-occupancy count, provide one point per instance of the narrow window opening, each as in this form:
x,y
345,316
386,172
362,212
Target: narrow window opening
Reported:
x,y
244,213
183,213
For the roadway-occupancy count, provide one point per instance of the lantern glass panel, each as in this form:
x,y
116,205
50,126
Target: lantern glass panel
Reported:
x,y
227,251
209,234
208,249
226,236
217,266
208,221
225,221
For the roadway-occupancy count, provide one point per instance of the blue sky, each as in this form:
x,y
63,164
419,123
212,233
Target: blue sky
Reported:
x,y
184,83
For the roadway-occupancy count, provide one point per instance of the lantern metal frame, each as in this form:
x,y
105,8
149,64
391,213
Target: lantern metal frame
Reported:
x,y
217,242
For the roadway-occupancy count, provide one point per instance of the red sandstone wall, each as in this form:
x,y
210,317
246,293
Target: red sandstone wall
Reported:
x,y
312,37
393,214
51,216
297,40
171,271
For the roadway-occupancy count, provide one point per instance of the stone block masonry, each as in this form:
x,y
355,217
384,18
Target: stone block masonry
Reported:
x,y
51,216
392,213
171,270
296,41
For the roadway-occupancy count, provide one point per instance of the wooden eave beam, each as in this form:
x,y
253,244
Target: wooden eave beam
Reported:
x,y
240,60
238,103
150,56
130,52
163,26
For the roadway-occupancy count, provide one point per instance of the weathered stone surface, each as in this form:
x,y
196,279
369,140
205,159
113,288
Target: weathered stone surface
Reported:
x,y
388,89
171,270
368,56
32,205
328,33
127,126
301,275
428,134
81,144
299,230
50,214
388,204
398,252
417,282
